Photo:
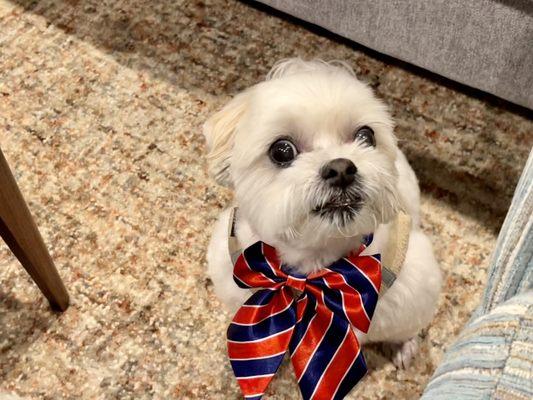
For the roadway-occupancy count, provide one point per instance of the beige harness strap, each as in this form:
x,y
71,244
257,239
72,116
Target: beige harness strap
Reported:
x,y
392,257
233,243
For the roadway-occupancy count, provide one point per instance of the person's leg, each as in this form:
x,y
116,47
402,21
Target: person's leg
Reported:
x,y
491,357
511,270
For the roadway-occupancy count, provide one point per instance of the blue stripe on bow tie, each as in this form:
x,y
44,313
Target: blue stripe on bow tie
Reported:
x,y
301,327
323,355
260,298
278,323
263,366
355,374
254,256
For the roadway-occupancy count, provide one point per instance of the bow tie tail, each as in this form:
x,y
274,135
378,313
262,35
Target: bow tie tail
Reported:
x,y
327,358
258,339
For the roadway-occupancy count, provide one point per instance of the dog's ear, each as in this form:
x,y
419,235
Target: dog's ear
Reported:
x,y
219,132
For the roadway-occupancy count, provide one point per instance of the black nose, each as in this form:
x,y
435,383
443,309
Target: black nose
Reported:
x,y
339,172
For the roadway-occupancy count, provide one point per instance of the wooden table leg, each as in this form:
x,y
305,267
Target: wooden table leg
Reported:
x,y
19,231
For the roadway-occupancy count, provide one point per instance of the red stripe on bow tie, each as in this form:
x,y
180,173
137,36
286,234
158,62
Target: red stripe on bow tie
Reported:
x,y
248,315
312,338
244,273
251,385
368,266
352,303
273,259
338,367
265,348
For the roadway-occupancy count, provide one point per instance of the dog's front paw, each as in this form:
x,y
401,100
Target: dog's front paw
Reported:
x,y
402,354
406,353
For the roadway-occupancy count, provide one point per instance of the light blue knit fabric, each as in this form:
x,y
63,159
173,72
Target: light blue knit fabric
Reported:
x,y
493,356
512,261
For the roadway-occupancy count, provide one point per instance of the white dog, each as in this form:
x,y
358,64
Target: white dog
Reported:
x,y
313,160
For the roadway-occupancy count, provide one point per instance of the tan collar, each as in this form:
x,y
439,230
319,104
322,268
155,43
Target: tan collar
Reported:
x,y
392,257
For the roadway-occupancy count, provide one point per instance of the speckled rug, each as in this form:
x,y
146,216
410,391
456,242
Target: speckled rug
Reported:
x,y
101,106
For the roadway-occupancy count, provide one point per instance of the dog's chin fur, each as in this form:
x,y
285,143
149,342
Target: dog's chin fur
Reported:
x,y
319,106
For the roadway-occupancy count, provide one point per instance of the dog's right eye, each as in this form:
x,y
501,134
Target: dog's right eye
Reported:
x,y
282,152
366,135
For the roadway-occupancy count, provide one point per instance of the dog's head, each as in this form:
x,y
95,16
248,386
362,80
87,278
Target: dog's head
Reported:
x,y
310,153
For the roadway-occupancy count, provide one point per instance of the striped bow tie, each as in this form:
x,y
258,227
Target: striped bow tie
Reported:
x,y
314,325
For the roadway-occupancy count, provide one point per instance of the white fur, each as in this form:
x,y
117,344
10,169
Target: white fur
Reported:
x,y
319,105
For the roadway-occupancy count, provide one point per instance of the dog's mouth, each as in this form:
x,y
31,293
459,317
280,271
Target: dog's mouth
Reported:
x,y
342,207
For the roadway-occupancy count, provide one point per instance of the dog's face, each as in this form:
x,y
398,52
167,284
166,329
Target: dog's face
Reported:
x,y
310,153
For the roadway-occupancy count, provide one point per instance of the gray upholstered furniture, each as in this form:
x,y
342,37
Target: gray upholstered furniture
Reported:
x,y
486,44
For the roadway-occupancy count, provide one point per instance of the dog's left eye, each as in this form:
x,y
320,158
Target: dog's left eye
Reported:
x,y
282,152
365,134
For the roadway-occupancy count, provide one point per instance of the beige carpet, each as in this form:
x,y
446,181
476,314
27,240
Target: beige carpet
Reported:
x,y
101,106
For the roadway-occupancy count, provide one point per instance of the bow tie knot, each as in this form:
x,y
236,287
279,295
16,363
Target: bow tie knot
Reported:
x,y
296,283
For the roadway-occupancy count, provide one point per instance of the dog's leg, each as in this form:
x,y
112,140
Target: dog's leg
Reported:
x,y
408,306
220,267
